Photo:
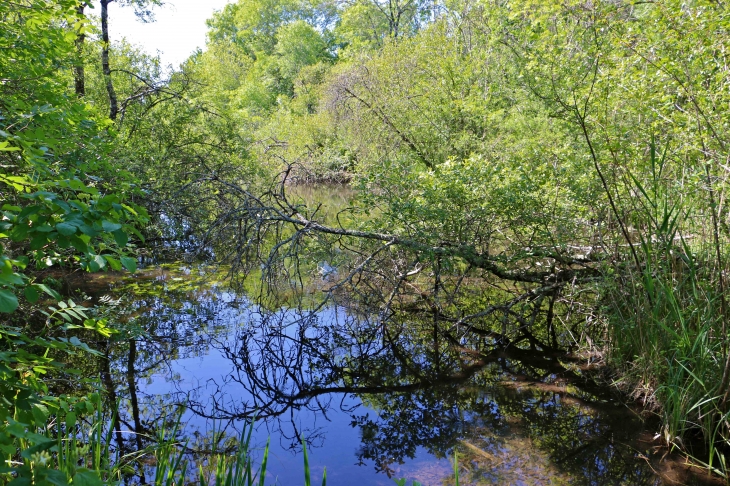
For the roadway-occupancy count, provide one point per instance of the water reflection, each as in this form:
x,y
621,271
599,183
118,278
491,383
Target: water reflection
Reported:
x,y
374,399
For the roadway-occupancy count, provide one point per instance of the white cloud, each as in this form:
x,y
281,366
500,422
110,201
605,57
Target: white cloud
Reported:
x,y
179,27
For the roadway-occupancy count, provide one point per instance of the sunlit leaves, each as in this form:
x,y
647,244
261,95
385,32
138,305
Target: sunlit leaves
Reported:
x,y
64,202
87,227
299,45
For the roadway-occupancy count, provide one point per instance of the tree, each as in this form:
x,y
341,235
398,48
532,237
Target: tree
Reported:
x,y
80,27
60,207
640,84
299,45
142,10
368,24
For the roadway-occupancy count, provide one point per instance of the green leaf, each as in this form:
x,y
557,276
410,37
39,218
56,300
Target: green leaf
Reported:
x,y
70,420
38,242
113,263
121,237
128,208
99,260
45,288
8,301
93,265
58,478
109,226
66,229
88,230
19,233
129,263
136,233
40,413
79,244
19,183
80,186
20,481
31,294
5,147
84,477
11,279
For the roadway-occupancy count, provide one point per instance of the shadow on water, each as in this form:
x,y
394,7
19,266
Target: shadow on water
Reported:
x,y
374,398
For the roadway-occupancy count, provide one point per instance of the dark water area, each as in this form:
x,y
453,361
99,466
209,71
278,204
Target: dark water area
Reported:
x,y
374,399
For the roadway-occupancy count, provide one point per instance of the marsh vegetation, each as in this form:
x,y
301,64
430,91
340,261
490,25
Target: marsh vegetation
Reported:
x,y
477,221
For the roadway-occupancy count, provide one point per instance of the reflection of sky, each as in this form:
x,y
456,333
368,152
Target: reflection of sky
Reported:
x,y
509,443
336,442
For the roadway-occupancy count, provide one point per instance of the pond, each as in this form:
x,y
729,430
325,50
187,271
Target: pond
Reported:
x,y
374,398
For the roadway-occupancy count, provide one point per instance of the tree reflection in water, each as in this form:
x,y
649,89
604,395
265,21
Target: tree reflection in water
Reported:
x,y
411,384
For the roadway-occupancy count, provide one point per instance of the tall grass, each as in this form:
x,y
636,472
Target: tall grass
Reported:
x,y
224,469
235,469
68,449
78,451
666,322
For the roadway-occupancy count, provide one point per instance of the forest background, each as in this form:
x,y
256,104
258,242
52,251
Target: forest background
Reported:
x,y
574,154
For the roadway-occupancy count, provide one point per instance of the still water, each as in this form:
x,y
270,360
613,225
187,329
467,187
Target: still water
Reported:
x,y
374,399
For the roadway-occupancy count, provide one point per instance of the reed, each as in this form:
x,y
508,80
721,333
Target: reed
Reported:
x,y
307,472
666,323
236,469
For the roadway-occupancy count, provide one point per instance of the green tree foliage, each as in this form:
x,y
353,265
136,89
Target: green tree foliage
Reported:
x,y
299,45
642,85
64,203
464,150
366,25
56,168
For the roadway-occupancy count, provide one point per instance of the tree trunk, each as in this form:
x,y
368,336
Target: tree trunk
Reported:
x,y
113,104
79,75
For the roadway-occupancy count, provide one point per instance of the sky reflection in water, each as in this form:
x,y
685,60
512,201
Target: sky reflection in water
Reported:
x,y
367,412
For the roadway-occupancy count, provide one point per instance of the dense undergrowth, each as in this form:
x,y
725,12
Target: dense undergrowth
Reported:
x,y
667,335
547,146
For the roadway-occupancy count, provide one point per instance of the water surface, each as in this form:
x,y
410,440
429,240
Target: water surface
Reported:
x,y
374,398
